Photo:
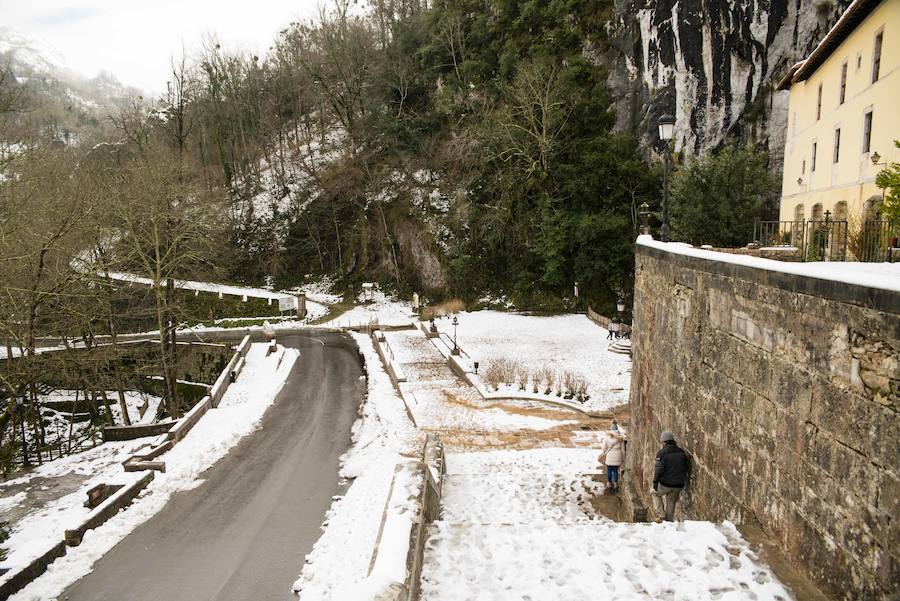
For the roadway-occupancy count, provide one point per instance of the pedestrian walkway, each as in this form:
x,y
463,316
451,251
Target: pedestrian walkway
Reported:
x,y
520,513
520,525
444,404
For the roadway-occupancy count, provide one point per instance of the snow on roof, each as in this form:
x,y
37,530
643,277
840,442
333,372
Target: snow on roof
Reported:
x,y
885,276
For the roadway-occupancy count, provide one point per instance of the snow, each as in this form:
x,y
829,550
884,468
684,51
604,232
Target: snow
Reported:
x,y
441,401
687,561
375,506
562,342
518,525
134,400
238,414
885,276
320,291
383,310
42,526
203,286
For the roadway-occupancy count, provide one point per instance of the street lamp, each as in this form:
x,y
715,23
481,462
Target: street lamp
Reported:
x,y
876,160
20,412
666,131
644,214
455,348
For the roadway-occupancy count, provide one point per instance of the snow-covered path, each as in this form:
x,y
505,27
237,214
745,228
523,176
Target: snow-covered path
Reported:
x,y
519,525
520,509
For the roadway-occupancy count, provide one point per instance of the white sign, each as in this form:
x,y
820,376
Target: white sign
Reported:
x,y
286,303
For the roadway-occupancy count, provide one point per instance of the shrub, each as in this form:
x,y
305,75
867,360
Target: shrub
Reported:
x,y
523,374
547,375
449,307
569,383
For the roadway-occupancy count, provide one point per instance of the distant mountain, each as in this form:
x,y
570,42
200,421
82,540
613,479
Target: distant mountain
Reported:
x,y
59,102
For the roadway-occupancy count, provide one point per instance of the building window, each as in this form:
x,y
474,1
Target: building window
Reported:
x,y
817,212
812,162
803,168
799,212
843,83
876,57
858,61
867,132
840,211
819,104
837,144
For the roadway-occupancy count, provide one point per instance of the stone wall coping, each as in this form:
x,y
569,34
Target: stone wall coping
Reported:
x,y
865,289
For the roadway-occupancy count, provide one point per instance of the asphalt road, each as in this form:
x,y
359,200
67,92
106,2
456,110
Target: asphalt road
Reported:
x,y
243,534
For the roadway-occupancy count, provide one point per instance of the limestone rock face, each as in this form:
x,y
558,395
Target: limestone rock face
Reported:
x,y
713,64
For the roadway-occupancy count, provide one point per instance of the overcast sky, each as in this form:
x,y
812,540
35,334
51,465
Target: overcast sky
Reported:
x,y
135,40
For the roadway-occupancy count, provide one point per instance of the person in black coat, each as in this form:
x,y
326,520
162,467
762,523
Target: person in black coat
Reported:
x,y
673,466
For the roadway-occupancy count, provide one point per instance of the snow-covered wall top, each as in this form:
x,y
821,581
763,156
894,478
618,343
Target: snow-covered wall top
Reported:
x,y
711,63
884,276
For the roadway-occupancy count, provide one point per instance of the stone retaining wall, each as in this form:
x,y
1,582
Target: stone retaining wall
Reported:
x,y
786,390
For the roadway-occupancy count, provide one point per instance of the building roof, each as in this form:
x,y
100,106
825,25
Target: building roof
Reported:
x,y
855,14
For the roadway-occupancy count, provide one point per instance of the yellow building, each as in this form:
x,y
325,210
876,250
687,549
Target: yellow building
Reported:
x,y
844,110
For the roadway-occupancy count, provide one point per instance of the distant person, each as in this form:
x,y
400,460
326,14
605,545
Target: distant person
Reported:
x,y
672,468
613,327
615,425
613,455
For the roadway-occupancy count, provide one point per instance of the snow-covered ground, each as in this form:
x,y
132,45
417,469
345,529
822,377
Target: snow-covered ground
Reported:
x,y
74,431
383,310
238,414
440,401
134,400
518,525
377,464
561,343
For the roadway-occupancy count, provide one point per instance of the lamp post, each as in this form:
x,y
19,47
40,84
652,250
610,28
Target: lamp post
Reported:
x,y
20,411
620,309
876,160
666,131
644,214
455,348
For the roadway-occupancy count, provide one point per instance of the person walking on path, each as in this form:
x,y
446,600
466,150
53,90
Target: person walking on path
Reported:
x,y
613,456
612,329
672,469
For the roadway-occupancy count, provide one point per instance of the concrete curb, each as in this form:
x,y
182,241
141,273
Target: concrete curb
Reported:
x,y
428,508
384,353
179,429
108,509
434,466
24,576
118,433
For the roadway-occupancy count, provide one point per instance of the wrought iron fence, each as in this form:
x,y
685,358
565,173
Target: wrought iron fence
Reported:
x,y
826,240
816,239
780,233
832,240
876,239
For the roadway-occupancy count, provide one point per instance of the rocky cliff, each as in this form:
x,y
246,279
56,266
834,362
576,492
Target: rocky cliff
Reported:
x,y
712,63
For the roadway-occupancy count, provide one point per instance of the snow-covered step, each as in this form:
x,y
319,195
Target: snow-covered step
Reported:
x,y
600,560
621,346
508,499
511,487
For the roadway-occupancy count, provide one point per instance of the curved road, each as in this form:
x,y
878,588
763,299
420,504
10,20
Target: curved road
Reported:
x,y
243,534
